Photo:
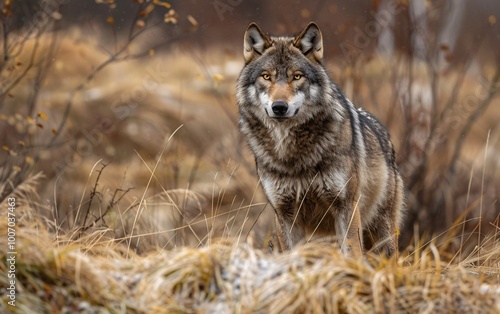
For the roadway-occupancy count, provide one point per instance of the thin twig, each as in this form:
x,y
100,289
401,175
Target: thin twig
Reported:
x,y
42,71
93,192
110,206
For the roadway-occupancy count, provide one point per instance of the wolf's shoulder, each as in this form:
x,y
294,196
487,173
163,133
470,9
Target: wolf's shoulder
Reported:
x,y
369,120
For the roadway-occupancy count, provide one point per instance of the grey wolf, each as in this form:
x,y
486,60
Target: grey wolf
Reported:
x,y
326,167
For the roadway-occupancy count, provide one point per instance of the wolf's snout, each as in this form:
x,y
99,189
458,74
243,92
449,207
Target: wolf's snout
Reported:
x,y
279,108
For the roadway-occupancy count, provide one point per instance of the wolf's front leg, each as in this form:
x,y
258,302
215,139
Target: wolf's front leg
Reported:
x,y
288,233
349,231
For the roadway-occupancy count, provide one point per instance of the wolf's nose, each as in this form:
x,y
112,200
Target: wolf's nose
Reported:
x,y
279,107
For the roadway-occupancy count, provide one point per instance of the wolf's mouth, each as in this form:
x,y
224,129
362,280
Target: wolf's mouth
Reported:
x,y
281,119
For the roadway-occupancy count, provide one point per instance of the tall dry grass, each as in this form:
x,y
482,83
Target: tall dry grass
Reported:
x,y
95,274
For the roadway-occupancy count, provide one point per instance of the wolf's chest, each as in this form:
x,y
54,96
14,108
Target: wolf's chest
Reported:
x,y
284,142
289,151
310,190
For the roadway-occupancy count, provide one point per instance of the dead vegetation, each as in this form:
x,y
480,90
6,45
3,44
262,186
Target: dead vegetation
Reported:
x,y
94,274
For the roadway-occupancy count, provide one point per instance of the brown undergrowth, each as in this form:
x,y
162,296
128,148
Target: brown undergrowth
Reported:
x,y
94,274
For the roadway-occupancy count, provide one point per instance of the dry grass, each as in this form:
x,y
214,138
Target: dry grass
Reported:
x,y
93,275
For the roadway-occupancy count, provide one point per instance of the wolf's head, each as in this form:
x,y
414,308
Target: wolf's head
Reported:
x,y
283,78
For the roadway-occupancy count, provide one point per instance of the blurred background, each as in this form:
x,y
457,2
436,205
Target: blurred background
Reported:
x,y
120,116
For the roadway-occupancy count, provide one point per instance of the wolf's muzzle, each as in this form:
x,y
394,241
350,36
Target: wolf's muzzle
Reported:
x,y
279,108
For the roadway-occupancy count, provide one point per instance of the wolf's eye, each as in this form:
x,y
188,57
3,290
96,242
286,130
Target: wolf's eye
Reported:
x,y
265,76
297,77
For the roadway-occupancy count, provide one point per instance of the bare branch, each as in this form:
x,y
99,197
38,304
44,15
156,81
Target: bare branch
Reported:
x,y
89,77
481,108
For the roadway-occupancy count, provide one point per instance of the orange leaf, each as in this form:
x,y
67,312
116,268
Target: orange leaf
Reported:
x,y
492,20
42,115
163,4
110,20
305,13
29,160
218,77
444,47
147,10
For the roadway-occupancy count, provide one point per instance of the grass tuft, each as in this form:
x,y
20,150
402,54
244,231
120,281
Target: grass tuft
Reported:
x,y
94,274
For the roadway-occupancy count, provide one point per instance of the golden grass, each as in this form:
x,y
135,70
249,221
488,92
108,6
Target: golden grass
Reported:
x,y
93,275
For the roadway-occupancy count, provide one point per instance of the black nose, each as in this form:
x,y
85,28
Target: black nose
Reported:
x,y
279,107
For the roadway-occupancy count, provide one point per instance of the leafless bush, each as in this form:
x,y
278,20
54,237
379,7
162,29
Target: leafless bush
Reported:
x,y
431,101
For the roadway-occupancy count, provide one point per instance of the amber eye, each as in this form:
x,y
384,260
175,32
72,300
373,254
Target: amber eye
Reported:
x,y
297,77
265,76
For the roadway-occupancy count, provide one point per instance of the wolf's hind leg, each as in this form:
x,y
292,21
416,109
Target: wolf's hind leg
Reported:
x,y
349,232
386,238
389,231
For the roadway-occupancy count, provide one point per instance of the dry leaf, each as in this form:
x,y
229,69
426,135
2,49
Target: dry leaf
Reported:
x,y
140,23
218,77
171,17
444,47
110,20
492,20
163,4
305,13
192,20
56,15
42,115
147,10
29,160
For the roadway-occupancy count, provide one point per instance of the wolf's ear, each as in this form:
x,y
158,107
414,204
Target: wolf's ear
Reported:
x,y
310,42
255,42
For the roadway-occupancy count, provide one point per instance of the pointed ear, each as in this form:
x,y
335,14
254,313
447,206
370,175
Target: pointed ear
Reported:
x,y
310,42
255,42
